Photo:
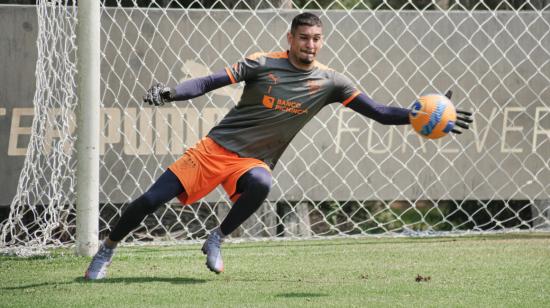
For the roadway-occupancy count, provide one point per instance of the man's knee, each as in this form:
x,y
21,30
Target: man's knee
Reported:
x,y
149,203
259,180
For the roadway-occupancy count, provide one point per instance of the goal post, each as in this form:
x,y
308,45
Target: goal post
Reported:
x,y
343,175
88,130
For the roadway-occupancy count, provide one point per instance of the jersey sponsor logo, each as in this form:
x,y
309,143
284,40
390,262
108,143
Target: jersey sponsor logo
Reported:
x,y
268,101
283,105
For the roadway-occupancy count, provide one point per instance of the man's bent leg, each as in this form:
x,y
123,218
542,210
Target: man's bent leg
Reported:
x,y
163,190
254,187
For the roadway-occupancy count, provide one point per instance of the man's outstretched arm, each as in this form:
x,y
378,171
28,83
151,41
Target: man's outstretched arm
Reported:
x,y
159,94
381,113
398,116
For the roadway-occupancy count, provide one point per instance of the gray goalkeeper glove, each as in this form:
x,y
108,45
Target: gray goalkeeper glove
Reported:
x,y
463,117
158,94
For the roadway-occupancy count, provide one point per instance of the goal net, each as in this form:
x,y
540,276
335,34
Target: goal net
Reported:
x,y
344,174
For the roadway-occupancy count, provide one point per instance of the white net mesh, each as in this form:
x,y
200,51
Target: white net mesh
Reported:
x,y
344,174
42,212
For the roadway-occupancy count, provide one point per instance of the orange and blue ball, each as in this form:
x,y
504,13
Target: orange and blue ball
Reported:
x,y
432,116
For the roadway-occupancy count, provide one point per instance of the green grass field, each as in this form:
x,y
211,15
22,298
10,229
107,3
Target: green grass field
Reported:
x,y
499,270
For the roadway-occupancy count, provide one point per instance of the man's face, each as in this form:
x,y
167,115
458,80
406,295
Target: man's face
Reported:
x,y
305,43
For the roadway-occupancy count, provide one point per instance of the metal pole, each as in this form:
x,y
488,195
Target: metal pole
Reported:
x,y
88,88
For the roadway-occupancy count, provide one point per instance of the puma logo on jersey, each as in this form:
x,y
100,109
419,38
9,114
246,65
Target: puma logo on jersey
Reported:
x,y
273,78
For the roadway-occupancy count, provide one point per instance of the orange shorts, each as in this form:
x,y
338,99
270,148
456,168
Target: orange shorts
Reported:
x,y
206,165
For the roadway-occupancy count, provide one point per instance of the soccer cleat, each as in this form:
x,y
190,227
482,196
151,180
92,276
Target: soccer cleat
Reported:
x,y
213,252
101,260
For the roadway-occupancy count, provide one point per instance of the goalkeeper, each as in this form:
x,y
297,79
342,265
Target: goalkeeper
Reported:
x,y
283,91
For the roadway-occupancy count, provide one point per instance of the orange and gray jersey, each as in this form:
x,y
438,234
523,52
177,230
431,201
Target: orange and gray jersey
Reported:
x,y
277,101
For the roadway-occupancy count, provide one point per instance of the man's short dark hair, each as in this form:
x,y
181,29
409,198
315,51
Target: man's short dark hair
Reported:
x,y
305,19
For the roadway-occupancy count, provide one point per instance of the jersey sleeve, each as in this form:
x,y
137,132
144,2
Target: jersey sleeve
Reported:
x,y
246,69
344,90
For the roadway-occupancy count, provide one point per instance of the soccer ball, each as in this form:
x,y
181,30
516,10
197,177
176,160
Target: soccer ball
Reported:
x,y
432,116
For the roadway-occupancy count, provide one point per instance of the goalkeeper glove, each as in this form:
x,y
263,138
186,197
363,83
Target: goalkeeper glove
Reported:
x,y
159,94
463,117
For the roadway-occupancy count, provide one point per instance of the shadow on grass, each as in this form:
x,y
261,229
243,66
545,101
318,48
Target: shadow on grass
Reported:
x,y
335,242
172,280
369,241
324,242
341,242
125,280
23,258
299,295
